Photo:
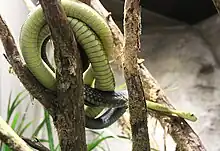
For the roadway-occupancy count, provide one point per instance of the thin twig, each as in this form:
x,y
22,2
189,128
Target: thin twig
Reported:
x,y
217,5
35,144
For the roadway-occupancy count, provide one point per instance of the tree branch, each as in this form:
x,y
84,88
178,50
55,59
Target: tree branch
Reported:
x,y
9,137
217,5
69,118
151,89
137,102
178,128
35,144
44,96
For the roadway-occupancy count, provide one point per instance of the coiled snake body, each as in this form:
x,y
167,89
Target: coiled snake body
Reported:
x,y
95,38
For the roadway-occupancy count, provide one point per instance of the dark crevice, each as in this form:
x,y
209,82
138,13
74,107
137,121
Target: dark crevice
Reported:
x,y
189,11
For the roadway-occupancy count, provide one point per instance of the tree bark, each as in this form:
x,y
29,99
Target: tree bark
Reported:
x,y
178,128
183,135
69,118
137,102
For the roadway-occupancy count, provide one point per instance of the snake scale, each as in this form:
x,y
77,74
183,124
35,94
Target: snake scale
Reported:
x,y
95,42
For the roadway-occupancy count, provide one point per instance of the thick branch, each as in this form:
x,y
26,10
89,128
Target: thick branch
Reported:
x,y
137,102
176,130
69,118
9,137
44,96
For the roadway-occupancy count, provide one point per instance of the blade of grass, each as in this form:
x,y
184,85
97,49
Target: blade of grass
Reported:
x,y
15,121
24,128
8,110
39,127
58,148
9,104
15,103
5,148
102,148
43,140
49,130
96,142
22,121
116,136
13,125
11,111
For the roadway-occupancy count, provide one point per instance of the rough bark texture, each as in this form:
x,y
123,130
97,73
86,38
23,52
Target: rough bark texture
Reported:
x,y
183,135
69,118
9,137
178,128
137,102
181,132
124,124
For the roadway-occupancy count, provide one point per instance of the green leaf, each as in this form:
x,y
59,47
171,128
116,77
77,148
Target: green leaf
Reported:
x,y
39,127
22,121
115,136
15,120
24,128
15,103
58,148
49,130
8,108
102,148
43,140
5,148
96,142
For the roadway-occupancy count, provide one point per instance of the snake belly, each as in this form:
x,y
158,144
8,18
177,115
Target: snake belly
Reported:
x,y
92,34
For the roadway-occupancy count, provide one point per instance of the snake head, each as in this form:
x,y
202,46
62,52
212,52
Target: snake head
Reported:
x,y
193,117
189,116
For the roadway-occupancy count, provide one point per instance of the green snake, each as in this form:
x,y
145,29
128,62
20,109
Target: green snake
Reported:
x,y
95,42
